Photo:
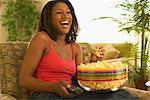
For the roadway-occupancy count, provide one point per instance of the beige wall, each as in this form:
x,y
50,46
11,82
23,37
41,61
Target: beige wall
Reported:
x,y
3,32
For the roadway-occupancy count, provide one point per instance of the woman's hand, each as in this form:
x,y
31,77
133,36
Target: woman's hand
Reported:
x,y
60,88
100,54
97,54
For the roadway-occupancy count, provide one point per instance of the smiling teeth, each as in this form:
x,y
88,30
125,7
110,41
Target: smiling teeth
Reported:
x,y
64,22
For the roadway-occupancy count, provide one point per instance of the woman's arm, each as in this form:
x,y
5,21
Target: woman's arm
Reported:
x,y
78,54
78,60
97,54
32,56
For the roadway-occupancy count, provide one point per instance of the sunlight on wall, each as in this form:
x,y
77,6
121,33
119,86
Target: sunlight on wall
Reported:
x,y
3,32
94,31
103,31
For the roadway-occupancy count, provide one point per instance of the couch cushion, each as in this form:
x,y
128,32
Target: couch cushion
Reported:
x,y
0,82
11,59
139,94
86,52
110,52
6,97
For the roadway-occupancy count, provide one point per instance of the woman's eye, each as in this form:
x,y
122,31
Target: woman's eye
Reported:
x,y
68,12
59,12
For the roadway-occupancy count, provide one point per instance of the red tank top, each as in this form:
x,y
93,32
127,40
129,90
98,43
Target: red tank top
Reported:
x,y
52,68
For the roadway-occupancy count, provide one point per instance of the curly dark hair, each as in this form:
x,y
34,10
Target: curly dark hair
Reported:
x,y
45,23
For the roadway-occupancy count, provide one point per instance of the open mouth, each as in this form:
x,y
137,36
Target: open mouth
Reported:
x,y
65,23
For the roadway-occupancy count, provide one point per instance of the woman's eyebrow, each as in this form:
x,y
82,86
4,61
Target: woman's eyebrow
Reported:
x,y
61,9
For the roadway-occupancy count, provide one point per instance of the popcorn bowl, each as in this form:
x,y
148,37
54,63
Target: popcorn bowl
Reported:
x,y
102,75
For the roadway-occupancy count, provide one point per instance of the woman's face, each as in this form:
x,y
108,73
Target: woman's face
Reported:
x,y
61,18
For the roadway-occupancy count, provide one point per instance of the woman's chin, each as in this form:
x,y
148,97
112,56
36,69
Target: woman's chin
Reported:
x,y
64,32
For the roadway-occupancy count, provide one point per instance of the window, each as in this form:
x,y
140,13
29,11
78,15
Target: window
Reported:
x,y
95,31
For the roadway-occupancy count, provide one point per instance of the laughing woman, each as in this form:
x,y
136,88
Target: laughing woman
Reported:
x,y
51,58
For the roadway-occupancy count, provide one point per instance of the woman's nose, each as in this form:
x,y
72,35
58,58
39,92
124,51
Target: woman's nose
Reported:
x,y
64,15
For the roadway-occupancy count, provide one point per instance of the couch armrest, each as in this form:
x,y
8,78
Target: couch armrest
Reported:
x,y
0,79
6,97
114,60
139,94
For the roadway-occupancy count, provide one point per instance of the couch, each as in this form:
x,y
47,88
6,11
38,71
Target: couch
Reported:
x,y
11,56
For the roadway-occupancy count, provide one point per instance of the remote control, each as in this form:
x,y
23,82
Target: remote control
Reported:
x,y
74,90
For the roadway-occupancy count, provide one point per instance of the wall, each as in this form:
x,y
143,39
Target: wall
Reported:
x,y
3,32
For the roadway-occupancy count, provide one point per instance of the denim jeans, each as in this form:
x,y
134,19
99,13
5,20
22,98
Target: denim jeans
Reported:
x,y
86,95
44,96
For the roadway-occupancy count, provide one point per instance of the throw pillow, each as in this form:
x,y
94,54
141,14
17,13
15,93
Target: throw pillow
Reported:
x,y
110,52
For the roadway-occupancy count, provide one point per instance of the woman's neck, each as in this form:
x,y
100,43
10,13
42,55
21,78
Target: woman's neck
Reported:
x,y
61,40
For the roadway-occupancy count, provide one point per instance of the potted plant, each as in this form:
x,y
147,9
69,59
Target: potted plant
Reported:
x,y
137,20
20,19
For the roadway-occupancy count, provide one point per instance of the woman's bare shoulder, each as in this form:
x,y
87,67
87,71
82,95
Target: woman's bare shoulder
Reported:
x,y
41,36
39,39
76,45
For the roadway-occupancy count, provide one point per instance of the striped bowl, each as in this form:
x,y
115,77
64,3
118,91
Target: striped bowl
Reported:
x,y
102,78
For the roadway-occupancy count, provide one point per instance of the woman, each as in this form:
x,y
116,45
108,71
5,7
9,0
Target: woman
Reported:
x,y
50,61
52,56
